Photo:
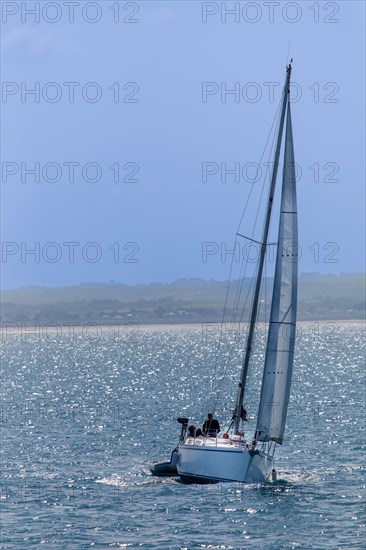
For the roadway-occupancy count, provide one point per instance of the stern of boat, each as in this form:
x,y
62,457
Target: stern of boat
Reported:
x,y
212,460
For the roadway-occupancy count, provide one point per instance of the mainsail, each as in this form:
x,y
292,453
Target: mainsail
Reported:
x,y
277,372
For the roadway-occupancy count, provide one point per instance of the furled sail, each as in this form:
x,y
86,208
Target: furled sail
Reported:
x,y
282,328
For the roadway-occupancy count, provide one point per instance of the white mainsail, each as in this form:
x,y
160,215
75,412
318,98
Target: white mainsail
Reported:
x,y
277,372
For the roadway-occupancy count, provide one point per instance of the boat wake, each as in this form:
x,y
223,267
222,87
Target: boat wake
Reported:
x,y
139,478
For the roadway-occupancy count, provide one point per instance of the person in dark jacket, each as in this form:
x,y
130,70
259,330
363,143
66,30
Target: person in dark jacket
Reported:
x,y
211,427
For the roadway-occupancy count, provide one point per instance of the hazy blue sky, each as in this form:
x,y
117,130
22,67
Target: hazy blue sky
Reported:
x,y
148,111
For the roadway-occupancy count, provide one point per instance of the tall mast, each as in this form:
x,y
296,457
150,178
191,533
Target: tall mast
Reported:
x,y
254,310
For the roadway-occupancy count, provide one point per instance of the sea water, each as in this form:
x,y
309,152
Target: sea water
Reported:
x,y
85,413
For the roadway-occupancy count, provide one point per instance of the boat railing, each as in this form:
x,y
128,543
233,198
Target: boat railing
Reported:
x,y
202,440
213,441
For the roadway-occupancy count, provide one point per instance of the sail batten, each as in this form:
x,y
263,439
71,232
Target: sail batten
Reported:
x,y
277,372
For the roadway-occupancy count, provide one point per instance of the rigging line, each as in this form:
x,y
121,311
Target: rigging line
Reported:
x,y
247,297
249,291
276,119
272,221
283,322
231,349
273,132
270,156
214,383
232,327
222,323
242,275
245,263
228,359
248,238
240,287
243,271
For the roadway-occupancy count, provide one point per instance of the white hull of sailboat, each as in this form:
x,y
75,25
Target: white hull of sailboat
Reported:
x,y
211,464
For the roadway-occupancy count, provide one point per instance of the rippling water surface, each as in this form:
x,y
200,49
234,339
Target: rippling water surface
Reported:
x,y
83,416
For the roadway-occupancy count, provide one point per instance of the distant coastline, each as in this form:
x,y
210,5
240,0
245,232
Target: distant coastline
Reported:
x,y
125,333
188,302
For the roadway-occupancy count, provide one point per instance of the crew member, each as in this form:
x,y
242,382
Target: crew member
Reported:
x,y
211,427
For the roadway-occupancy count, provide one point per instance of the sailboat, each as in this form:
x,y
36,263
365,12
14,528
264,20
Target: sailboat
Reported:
x,y
230,456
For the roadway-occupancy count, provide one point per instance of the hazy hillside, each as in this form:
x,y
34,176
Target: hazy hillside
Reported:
x,y
194,300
